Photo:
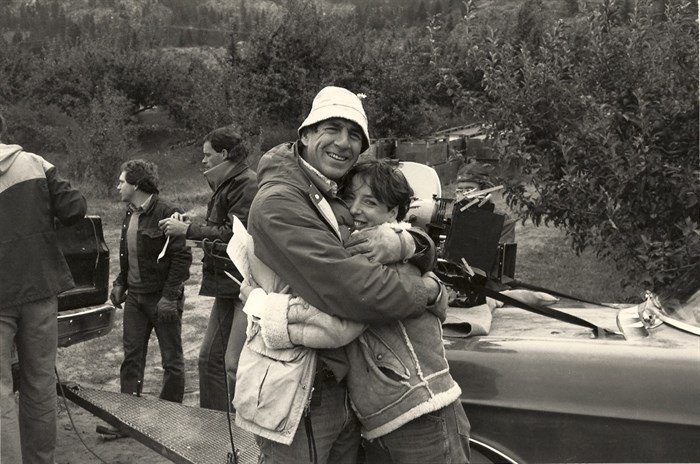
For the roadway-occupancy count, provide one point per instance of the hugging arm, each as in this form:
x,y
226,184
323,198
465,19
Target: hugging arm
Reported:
x,y
306,254
286,321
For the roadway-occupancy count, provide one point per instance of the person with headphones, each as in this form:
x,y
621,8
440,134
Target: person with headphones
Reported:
x,y
153,269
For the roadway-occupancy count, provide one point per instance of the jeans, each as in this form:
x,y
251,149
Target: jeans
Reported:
x,y
236,340
218,356
336,431
31,437
440,437
140,318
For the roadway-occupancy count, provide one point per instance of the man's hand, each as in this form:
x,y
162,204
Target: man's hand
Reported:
x,y
174,226
167,310
437,295
117,296
247,286
383,245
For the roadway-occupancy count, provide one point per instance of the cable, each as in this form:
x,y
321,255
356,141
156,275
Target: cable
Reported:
x,y
233,454
97,250
70,416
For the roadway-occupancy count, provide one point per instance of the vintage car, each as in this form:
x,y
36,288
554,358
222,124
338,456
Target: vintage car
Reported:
x,y
83,313
537,389
576,382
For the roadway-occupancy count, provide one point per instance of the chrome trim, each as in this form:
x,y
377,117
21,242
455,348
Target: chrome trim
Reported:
x,y
493,450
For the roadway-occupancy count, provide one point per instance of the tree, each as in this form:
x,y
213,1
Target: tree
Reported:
x,y
601,122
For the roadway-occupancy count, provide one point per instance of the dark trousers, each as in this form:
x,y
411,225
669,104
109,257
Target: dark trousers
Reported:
x,y
140,318
213,393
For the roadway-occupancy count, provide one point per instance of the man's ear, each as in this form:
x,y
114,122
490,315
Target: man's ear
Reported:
x,y
224,153
304,139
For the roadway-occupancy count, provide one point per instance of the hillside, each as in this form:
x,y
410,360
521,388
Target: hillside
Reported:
x,y
210,22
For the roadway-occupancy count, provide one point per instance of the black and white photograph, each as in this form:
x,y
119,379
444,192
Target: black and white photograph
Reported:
x,y
349,231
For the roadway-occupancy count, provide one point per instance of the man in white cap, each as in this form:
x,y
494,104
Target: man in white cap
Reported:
x,y
300,231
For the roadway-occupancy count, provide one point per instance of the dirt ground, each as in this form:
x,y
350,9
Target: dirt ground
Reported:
x,y
95,364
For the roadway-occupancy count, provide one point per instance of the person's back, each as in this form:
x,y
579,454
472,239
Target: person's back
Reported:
x,y
29,203
33,273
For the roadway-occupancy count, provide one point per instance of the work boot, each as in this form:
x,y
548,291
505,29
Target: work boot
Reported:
x,y
110,433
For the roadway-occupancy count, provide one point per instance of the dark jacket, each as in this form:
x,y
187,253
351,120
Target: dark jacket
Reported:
x,y
234,185
170,273
32,194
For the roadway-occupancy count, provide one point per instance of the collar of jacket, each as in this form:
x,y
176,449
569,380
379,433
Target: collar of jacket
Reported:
x,y
320,188
220,173
282,164
149,205
323,183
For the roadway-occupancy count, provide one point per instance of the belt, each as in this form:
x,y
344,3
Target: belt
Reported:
x,y
323,375
323,372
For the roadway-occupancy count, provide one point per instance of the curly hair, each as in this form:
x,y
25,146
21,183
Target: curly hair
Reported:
x,y
141,173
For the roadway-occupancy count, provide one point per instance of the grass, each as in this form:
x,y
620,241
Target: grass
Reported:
x,y
545,258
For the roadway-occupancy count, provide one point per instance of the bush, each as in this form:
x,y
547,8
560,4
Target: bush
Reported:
x,y
602,121
99,140
303,48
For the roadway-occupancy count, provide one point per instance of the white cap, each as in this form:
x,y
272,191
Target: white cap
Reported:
x,y
337,102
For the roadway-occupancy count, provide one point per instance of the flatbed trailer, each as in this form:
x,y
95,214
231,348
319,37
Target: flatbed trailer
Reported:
x,y
183,434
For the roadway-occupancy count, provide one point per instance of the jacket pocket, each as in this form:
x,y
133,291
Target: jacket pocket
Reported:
x,y
375,385
270,389
153,241
378,352
153,233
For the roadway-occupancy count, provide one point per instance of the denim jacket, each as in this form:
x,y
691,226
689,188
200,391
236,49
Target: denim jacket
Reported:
x,y
167,274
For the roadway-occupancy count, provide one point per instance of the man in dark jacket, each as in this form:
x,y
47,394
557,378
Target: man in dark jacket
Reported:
x,y
33,272
153,269
234,185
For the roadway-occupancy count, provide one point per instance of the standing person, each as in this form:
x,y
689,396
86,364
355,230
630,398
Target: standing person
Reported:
x,y
399,381
234,185
298,226
151,280
32,274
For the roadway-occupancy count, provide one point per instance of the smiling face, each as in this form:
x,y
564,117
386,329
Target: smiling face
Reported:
x,y
366,209
333,148
211,157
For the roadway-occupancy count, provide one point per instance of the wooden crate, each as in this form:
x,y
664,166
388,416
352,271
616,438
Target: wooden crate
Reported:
x,y
430,152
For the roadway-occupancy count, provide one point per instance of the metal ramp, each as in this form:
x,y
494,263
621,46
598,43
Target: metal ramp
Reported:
x,y
183,434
